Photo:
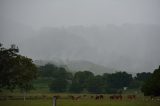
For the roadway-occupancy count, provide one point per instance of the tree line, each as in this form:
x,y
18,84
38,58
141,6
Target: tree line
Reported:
x,y
19,72
85,81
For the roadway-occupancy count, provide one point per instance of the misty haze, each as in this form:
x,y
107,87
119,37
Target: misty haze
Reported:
x,y
97,36
117,35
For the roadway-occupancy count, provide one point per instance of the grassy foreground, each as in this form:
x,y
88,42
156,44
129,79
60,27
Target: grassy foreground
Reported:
x,y
82,102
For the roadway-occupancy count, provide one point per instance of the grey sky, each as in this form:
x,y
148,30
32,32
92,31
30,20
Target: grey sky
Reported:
x,y
121,34
40,13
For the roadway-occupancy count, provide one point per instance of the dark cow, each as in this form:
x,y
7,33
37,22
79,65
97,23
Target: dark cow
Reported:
x,y
116,97
72,97
130,97
97,97
84,95
111,97
101,96
77,98
155,98
57,96
119,97
92,97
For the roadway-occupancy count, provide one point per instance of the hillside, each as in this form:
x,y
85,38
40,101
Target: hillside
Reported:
x,y
78,65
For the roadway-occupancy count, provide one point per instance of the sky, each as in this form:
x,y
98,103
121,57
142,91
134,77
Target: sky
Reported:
x,y
40,13
121,34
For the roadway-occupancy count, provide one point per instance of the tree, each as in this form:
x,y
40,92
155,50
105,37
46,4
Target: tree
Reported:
x,y
80,81
75,87
152,85
139,80
26,72
143,76
52,71
82,77
58,85
95,84
58,75
47,70
135,84
116,81
16,70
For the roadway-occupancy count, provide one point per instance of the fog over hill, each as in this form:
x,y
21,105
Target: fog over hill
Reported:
x,y
78,65
129,47
117,34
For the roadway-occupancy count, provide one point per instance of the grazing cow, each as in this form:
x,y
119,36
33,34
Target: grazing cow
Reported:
x,y
77,98
119,97
130,97
134,96
101,96
84,95
152,97
97,97
57,96
111,97
155,98
92,97
43,96
72,97
116,97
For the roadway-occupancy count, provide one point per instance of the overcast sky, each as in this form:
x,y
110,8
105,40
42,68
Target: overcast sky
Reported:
x,y
40,13
122,34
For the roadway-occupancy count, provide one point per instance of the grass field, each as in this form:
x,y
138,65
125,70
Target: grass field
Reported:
x,y
140,101
78,103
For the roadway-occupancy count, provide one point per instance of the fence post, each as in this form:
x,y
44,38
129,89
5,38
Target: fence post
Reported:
x,y
54,100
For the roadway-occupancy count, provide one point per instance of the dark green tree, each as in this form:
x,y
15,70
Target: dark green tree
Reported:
x,y
52,71
16,71
152,85
139,80
75,87
116,81
135,84
59,77
143,76
48,70
82,77
95,84
58,85
80,81
27,72
119,79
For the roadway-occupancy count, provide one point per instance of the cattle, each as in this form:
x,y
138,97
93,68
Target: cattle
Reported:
x,y
111,97
116,97
84,95
74,98
99,97
120,97
43,96
131,97
155,98
77,98
56,96
92,97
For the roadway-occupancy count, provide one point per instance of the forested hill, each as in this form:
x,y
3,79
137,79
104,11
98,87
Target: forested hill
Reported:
x,y
78,65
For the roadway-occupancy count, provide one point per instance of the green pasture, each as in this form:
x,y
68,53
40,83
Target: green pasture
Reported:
x,y
63,102
84,101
